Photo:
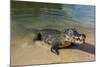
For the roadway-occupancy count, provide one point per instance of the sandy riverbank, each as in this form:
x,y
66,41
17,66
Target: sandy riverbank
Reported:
x,y
26,52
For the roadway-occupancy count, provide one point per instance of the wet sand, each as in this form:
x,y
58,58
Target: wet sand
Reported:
x,y
26,52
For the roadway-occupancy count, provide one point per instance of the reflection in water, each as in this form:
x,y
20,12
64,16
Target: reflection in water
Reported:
x,y
42,11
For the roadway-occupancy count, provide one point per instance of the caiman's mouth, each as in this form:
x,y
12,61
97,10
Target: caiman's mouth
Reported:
x,y
78,41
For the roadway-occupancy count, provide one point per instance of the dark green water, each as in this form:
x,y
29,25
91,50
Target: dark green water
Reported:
x,y
46,15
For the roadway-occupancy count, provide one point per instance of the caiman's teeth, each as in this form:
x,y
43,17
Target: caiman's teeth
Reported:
x,y
75,36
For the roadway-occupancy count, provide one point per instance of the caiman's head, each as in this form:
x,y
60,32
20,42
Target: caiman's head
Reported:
x,y
72,35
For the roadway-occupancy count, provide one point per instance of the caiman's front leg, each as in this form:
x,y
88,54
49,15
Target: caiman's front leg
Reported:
x,y
55,50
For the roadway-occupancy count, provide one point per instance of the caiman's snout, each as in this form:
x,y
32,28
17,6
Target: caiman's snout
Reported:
x,y
79,39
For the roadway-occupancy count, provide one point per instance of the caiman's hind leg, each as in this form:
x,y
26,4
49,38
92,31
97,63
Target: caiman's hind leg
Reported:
x,y
54,49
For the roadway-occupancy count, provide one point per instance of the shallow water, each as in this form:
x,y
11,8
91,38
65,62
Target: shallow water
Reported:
x,y
44,15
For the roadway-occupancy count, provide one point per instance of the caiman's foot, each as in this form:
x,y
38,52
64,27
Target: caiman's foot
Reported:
x,y
55,50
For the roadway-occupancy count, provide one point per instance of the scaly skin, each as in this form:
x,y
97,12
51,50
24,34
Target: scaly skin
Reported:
x,y
58,39
54,38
